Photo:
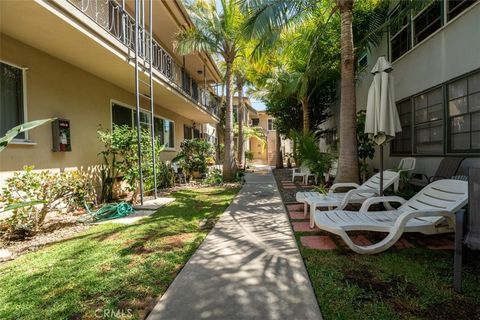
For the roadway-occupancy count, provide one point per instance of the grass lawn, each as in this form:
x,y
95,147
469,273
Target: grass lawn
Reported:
x,y
414,283
110,269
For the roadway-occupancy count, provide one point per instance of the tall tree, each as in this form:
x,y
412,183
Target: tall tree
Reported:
x,y
217,31
348,159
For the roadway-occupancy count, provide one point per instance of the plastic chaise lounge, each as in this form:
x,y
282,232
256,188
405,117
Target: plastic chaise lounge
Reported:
x,y
431,211
340,200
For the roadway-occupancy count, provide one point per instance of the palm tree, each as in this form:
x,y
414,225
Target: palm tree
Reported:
x,y
217,31
347,159
240,80
268,17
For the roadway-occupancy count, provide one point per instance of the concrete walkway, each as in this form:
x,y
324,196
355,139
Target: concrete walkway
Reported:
x,y
248,267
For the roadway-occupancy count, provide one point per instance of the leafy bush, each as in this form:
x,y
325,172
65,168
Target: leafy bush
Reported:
x,y
165,175
214,177
31,195
249,155
309,154
365,145
194,156
121,159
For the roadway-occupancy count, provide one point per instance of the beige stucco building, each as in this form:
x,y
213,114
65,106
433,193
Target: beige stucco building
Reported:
x,y
74,60
266,152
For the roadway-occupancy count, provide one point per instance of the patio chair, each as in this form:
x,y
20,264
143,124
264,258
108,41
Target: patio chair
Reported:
x,y
467,226
332,173
407,164
339,200
447,168
303,172
431,211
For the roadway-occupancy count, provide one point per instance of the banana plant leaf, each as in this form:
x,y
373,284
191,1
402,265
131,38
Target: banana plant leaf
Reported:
x,y
22,205
12,133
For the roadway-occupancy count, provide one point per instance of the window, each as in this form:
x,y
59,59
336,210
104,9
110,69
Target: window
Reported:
x,y
428,122
427,21
164,129
464,114
402,144
255,122
11,98
362,60
270,125
455,7
187,133
196,133
399,32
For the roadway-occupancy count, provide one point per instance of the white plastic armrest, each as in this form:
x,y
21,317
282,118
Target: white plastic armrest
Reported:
x,y
404,217
351,193
343,185
366,205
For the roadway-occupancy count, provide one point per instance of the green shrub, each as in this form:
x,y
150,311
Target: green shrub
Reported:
x,y
309,155
214,177
31,195
121,159
165,175
194,156
365,145
248,155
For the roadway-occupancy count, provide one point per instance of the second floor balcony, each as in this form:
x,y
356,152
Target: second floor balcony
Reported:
x,y
118,22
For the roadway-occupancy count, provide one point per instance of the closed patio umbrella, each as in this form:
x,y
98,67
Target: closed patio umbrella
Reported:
x,y
382,121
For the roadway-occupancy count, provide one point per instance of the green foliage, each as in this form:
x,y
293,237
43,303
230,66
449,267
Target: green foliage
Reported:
x,y
214,177
12,133
365,145
194,156
31,195
121,159
309,154
248,155
165,175
110,266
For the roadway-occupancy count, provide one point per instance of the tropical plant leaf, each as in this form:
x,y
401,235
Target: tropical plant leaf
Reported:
x,y
12,133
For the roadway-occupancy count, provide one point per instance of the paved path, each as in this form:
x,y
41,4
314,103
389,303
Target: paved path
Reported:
x,y
248,267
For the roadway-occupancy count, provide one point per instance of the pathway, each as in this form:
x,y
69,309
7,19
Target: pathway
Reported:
x,y
248,267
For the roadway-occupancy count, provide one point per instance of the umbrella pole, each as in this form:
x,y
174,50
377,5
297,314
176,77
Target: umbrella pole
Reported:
x,y
381,170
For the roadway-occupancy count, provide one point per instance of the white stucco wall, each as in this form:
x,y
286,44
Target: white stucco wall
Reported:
x,y
450,52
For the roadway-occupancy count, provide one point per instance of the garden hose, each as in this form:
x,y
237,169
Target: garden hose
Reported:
x,y
108,212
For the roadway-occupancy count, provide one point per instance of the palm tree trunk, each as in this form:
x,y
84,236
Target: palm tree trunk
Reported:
x,y
229,158
306,115
241,107
348,158
279,158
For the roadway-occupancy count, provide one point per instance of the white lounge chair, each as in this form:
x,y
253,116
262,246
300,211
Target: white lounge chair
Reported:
x,y
407,164
430,211
303,172
368,189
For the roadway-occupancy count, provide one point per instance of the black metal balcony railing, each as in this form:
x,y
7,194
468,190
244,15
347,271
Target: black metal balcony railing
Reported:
x,y
110,15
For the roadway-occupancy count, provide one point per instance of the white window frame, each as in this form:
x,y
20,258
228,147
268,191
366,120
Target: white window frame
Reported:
x,y
25,140
122,104
268,122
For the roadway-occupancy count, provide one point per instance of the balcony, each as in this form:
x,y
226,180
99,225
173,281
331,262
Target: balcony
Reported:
x,y
112,17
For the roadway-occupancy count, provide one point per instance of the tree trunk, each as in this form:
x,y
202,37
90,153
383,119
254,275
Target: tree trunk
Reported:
x,y
348,158
241,114
279,156
306,115
229,157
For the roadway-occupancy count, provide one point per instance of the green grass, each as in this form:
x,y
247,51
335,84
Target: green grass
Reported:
x,y
413,283
110,267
